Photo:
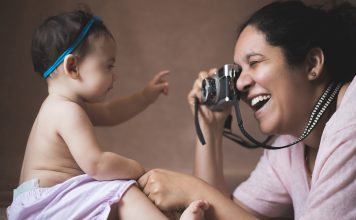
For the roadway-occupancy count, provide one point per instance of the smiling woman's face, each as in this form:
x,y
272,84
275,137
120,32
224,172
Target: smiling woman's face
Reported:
x,y
279,94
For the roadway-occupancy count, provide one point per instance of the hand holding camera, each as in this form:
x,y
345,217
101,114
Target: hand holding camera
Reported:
x,y
219,89
211,99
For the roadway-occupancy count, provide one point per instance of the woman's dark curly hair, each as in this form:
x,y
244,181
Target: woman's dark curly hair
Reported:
x,y
298,28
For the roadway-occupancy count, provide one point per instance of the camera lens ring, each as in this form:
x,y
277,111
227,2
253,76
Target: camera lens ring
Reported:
x,y
209,91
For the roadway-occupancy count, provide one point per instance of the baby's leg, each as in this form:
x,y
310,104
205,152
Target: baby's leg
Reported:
x,y
195,211
135,205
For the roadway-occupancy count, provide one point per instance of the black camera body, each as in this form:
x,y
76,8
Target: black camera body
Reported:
x,y
219,89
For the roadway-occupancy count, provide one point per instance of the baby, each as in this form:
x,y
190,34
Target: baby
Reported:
x,y
65,173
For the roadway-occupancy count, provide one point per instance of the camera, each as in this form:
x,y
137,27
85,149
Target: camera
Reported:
x,y
219,89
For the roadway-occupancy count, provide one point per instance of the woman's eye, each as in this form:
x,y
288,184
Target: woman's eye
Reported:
x,y
253,62
110,67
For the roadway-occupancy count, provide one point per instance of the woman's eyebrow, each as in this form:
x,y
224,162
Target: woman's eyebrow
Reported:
x,y
249,55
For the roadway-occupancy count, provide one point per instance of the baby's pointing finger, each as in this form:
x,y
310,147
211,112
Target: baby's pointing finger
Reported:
x,y
158,77
163,87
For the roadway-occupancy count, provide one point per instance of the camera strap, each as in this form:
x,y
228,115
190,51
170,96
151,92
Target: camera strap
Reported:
x,y
227,130
196,121
236,138
324,101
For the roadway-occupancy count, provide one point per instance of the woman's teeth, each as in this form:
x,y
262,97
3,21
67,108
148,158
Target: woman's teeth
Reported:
x,y
259,99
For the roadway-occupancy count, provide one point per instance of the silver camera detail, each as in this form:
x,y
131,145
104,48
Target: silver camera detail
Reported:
x,y
219,89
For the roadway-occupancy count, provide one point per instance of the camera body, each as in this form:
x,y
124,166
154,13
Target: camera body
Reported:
x,y
219,89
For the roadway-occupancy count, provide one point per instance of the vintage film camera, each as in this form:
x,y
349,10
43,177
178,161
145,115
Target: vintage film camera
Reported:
x,y
219,89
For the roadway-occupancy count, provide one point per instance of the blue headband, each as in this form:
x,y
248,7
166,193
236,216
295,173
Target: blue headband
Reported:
x,y
72,47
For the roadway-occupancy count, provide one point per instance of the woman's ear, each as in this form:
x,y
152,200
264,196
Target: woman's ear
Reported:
x,y
70,65
315,62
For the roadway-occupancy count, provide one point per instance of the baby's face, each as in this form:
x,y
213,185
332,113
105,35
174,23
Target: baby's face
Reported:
x,y
96,69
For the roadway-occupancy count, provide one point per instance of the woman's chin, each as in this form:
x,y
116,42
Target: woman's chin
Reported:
x,y
267,130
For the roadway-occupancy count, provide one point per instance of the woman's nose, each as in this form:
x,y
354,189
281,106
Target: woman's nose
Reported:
x,y
244,82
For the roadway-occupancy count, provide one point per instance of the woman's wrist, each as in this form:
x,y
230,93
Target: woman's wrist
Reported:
x,y
192,189
200,190
212,133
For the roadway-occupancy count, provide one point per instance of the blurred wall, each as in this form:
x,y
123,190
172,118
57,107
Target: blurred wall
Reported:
x,y
183,36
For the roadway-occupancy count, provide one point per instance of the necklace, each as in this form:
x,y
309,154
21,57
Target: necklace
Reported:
x,y
323,102
320,108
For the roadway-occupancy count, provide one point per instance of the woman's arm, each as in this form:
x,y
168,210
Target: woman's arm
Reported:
x,y
208,157
121,109
209,161
173,191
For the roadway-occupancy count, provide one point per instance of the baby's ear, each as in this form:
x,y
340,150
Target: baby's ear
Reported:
x,y
70,65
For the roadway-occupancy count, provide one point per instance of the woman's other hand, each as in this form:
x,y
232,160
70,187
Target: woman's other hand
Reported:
x,y
169,190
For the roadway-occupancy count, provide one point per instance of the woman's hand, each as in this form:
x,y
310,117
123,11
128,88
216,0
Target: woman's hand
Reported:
x,y
172,191
169,190
207,118
158,85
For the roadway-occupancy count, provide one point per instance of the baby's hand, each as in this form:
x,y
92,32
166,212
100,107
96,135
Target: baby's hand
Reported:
x,y
156,86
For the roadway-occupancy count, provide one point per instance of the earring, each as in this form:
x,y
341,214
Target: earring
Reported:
x,y
313,74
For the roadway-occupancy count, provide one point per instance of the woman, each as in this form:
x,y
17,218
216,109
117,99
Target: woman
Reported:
x,y
292,57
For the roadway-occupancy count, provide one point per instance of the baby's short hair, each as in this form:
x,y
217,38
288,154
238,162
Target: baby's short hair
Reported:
x,y
58,32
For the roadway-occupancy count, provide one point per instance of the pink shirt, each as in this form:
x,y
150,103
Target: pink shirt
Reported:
x,y
279,184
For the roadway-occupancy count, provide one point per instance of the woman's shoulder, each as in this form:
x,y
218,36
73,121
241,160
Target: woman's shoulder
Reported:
x,y
344,117
347,93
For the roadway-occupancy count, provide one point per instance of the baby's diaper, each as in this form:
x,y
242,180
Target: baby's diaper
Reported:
x,y
26,186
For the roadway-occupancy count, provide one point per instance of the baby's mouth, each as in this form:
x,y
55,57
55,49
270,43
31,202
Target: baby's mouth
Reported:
x,y
259,101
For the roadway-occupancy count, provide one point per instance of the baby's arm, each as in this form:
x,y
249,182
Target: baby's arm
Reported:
x,y
78,133
122,109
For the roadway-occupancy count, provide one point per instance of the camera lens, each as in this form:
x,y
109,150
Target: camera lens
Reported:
x,y
209,91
